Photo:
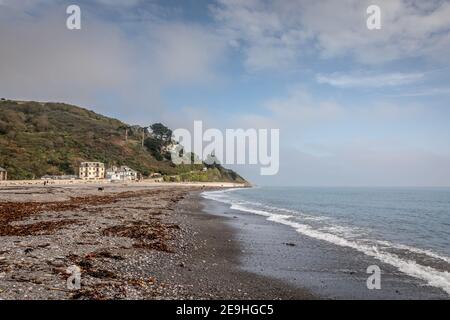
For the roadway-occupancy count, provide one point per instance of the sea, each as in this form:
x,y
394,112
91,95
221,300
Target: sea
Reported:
x,y
406,228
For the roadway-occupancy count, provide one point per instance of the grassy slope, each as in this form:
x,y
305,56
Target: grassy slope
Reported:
x,y
53,138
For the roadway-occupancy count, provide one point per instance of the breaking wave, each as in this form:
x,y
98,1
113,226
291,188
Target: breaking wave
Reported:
x,y
322,228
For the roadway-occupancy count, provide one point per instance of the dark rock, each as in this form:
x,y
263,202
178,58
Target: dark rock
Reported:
x,y
290,244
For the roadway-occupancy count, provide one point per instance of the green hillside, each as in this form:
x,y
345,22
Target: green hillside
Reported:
x,y
53,138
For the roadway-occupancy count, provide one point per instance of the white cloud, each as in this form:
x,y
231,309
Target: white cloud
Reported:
x,y
260,31
363,163
298,112
41,59
299,108
370,81
120,3
280,33
425,92
324,142
184,53
120,72
36,3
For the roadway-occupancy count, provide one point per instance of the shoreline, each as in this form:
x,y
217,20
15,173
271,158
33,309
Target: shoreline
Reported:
x,y
219,252
130,242
168,242
324,269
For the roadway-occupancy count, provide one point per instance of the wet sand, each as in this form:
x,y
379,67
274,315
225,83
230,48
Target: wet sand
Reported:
x,y
214,263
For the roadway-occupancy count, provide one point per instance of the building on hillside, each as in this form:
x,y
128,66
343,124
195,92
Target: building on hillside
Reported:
x,y
92,170
3,174
155,175
122,173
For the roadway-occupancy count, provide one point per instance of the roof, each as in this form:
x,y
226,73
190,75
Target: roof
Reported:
x,y
1,169
125,168
89,164
120,169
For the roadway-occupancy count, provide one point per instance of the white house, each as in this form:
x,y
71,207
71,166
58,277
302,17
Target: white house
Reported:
x,y
122,173
92,170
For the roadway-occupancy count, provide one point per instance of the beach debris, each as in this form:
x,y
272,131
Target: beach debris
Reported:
x,y
60,270
106,254
290,244
40,228
149,235
88,294
18,211
136,230
101,273
142,282
156,245
111,268
87,266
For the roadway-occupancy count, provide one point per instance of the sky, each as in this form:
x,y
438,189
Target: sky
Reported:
x,y
355,107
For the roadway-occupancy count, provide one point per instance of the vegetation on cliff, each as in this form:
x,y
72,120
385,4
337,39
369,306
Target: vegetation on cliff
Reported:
x,y
37,139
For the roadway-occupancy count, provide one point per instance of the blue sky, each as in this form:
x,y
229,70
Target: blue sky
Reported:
x,y
354,107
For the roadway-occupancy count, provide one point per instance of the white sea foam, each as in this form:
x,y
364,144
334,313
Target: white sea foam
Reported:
x,y
297,213
433,277
424,252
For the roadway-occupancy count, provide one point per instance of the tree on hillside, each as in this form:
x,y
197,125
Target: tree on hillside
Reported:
x,y
212,161
144,129
161,132
154,146
4,127
126,129
41,123
14,119
160,138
